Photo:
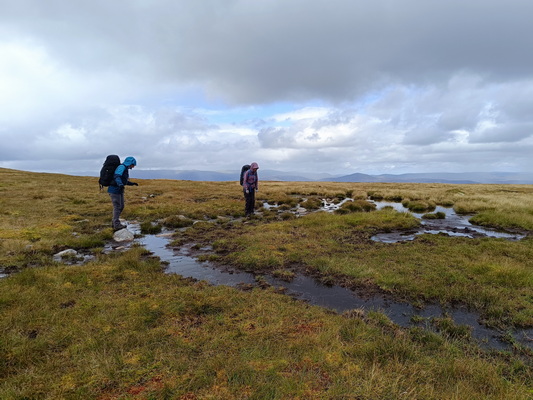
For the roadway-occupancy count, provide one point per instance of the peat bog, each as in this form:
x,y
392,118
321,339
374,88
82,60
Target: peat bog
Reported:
x,y
183,261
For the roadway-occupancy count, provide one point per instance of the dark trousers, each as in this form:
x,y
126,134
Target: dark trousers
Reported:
x,y
250,202
118,206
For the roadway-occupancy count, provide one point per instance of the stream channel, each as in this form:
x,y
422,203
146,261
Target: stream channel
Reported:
x,y
182,261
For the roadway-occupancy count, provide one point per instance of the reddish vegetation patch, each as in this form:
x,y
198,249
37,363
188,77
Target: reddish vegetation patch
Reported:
x,y
156,383
305,328
189,396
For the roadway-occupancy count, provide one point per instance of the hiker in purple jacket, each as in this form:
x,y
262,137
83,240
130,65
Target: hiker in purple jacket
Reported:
x,y
250,185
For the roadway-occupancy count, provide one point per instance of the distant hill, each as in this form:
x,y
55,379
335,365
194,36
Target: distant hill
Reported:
x,y
274,175
213,176
440,177
210,176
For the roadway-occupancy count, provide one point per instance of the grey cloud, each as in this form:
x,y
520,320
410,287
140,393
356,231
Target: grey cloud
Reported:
x,y
488,111
425,135
271,137
462,116
513,99
262,51
514,132
306,134
335,117
358,43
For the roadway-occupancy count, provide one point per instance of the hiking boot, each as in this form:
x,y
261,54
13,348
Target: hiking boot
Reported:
x,y
119,227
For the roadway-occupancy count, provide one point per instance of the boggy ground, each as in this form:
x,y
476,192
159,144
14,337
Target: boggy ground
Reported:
x,y
492,276
118,328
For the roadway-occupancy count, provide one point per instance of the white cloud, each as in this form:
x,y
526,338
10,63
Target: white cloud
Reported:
x,y
27,80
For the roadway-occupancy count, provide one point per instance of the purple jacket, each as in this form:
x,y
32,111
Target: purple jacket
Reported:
x,y
251,179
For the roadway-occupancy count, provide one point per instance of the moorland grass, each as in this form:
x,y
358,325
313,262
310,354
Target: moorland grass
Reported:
x,y
118,327
122,329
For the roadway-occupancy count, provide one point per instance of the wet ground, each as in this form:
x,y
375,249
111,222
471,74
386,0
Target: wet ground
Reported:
x,y
181,261
453,225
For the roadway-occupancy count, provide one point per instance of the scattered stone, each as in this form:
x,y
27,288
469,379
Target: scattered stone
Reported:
x,y
123,235
66,253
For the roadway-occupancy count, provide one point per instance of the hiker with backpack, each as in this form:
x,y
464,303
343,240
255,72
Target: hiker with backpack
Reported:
x,y
116,189
250,185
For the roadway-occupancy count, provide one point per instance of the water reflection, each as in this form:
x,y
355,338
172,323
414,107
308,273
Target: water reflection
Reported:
x,y
453,224
181,262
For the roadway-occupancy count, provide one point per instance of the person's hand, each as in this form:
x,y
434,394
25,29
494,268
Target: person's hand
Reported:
x,y
257,190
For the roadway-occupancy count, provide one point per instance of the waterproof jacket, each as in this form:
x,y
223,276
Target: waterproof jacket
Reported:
x,y
121,177
251,179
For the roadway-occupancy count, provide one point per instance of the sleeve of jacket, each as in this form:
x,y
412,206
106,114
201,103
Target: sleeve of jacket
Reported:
x,y
118,175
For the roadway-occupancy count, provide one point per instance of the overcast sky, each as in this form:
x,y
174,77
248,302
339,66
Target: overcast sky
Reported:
x,y
336,86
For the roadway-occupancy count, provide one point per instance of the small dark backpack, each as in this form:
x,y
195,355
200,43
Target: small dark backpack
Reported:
x,y
243,170
108,170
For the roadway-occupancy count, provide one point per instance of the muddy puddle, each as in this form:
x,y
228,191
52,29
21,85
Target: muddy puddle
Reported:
x,y
337,298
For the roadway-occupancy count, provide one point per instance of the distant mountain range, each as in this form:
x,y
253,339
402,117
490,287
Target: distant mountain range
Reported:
x,y
214,176
442,177
272,175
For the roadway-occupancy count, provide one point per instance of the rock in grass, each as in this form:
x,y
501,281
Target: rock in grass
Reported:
x,y
66,253
123,235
